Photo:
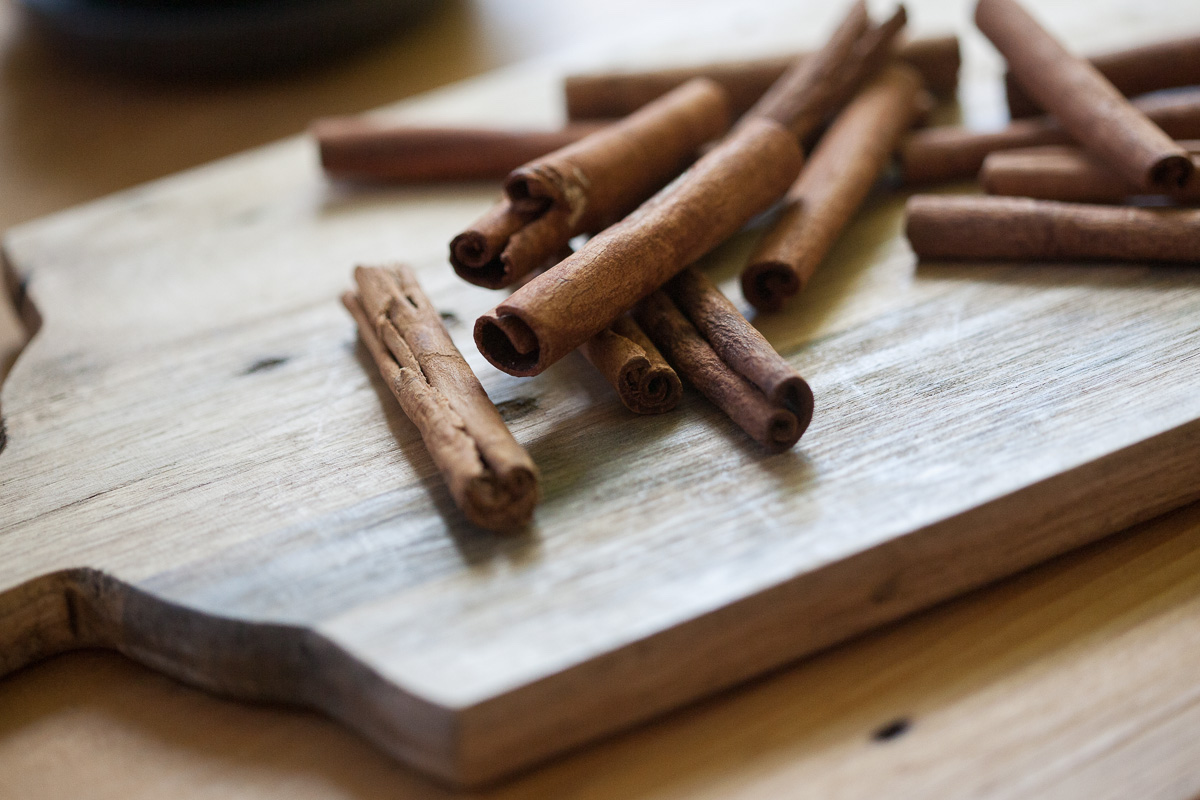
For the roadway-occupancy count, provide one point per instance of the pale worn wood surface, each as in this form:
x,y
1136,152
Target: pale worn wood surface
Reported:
x,y
843,319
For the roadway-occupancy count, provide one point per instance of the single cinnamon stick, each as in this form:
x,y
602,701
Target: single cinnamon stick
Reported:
x,y
615,94
491,478
832,185
1158,65
1018,228
361,148
739,344
562,308
1060,172
772,426
809,92
1084,102
631,363
953,153
587,186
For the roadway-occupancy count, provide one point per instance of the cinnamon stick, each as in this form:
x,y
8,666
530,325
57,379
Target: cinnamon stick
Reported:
x,y
562,308
359,148
816,86
832,185
952,152
614,94
588,185
1068,174
1084,102
1018,228
631,363
1148,68
491,478
776,416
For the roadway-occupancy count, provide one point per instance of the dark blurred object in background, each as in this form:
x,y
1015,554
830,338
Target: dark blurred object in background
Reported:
x,y
214,38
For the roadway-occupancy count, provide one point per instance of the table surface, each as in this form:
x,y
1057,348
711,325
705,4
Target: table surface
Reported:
x,y
1073,679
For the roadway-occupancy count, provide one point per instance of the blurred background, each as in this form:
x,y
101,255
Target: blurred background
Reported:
x,y
91,102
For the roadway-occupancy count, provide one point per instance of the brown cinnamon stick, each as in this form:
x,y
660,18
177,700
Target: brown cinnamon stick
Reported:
x,y
615,94
1158,65
587,186
491,478
1068,174
739,344
773,425
360,148
816,86
1084,102
631,363
952,152
1018,228
832,185
562,308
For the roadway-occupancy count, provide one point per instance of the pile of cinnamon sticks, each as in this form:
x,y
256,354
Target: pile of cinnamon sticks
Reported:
x,y
686,157
693,156
1100,178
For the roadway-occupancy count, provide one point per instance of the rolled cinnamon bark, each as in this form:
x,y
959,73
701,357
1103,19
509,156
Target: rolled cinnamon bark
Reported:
x,y
739,344
771,426
804,96
491,478
1068,174
587,186
1137,70
562,308
615,94
634,367
832,185
1084,102
953,153
360,148
1018,228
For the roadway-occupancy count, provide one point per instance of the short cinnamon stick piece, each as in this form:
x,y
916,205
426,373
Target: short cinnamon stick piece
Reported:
x,y
724,357
1068,174
1087,105
1158,65
627,358
832,185
954,153
615,94
359,148
491,478
1018,228
588,185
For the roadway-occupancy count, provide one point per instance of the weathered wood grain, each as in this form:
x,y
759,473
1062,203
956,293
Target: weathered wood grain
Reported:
x,y
202,472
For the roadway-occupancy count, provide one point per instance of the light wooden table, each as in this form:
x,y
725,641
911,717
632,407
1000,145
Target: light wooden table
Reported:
x,y
1076,679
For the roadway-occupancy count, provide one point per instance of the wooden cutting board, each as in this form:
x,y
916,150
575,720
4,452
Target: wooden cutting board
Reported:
x,y
202,470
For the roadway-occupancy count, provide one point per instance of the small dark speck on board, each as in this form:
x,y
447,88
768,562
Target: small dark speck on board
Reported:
x,y
450,318
264,364
516,408
892,730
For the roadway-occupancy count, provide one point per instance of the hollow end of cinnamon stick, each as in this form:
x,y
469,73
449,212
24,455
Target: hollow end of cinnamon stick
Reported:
x,y
646,388
795,395
1171,172
768,285
658,390
509,344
